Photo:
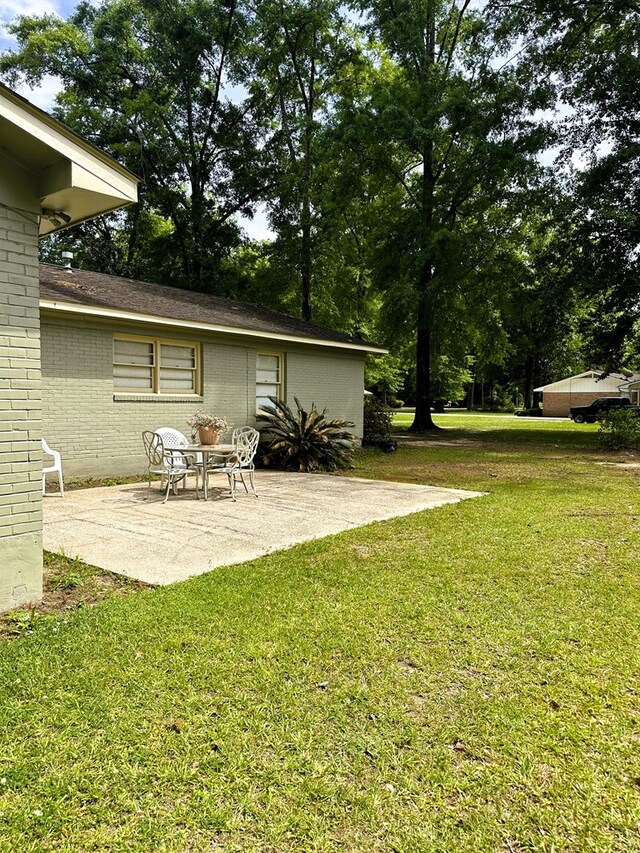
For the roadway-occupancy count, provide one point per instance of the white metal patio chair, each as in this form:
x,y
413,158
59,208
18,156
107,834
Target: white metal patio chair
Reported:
x,y
234,438
239,430
168,462
216,466
57,467
241,461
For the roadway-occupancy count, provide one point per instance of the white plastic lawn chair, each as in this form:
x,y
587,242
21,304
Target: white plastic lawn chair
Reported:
x,y
168,462
241,461
175,440
57,467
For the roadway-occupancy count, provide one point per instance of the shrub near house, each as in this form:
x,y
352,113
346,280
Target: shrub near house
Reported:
x,y
620,428
303,440
377,424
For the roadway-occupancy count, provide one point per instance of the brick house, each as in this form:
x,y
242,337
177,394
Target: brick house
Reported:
x,y
50,178
98,359
122,356
580,390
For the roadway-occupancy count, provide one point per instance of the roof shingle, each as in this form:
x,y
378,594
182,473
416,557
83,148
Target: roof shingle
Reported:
x,y
115,292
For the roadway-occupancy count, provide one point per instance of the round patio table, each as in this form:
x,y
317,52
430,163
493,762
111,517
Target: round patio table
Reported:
x,y
222,451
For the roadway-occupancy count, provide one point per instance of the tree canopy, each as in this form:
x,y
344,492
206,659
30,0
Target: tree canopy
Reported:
x,y
160,86
456,179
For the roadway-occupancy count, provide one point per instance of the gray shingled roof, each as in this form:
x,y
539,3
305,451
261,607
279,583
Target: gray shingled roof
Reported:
x,y
124,294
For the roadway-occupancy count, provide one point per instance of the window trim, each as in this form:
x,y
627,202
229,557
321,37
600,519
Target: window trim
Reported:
x,y
155,390
281,372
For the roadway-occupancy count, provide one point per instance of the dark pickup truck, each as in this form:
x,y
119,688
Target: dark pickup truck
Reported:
x,y
588,414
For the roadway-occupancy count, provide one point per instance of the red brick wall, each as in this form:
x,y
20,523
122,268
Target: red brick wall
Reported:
x,y
556,405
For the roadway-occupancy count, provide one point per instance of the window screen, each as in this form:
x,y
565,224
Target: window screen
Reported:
x,y
268,378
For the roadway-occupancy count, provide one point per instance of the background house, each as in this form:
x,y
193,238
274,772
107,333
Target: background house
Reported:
x,y
49,178
122,356
580,390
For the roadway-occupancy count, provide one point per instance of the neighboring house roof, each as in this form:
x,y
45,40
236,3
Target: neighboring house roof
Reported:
x,y
632,383
96,294
610,381
72,179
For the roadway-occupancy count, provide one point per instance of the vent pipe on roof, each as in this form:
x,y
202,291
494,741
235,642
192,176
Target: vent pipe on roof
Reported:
x,y
67,257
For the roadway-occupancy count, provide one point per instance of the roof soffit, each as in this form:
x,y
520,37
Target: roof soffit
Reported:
x,y
74,181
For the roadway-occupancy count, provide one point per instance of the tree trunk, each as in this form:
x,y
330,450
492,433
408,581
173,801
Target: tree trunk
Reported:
x,y
472,388
305,254
306,250
528,382
198,208
423,420
132,242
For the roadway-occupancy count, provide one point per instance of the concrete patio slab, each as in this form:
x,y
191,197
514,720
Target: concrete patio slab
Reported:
x,y
117,529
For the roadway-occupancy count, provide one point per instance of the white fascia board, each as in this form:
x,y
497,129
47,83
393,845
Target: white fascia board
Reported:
x,y
72,308
564,383
80,205
94,177
82,191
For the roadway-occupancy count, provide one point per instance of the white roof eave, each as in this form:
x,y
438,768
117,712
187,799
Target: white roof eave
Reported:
x,y
73,180
153,319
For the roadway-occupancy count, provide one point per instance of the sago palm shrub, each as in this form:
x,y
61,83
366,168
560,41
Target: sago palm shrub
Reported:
x,y
303,440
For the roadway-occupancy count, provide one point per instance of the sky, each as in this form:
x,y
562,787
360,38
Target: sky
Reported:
x,y
43,96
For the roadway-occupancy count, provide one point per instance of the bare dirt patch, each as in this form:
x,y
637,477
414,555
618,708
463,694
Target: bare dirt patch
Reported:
x,y
74,483
621,464
434,442
68,585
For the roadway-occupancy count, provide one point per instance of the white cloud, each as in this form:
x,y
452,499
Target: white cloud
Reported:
x,y
11,8
43,95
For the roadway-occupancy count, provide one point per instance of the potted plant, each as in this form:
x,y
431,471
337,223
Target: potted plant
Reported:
x,y
208,427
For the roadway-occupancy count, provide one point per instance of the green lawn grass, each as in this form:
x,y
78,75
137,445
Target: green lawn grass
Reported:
x,y
463,679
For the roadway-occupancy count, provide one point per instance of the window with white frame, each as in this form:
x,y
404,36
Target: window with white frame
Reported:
x,y
269,377
155,366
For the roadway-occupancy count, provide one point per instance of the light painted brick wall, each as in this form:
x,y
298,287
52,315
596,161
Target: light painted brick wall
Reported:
x,y
329,379
98,432
20,410
557,405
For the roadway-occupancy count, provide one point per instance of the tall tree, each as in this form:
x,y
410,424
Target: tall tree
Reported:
x,y
591,48
303,48
542,310
452,127
159,85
